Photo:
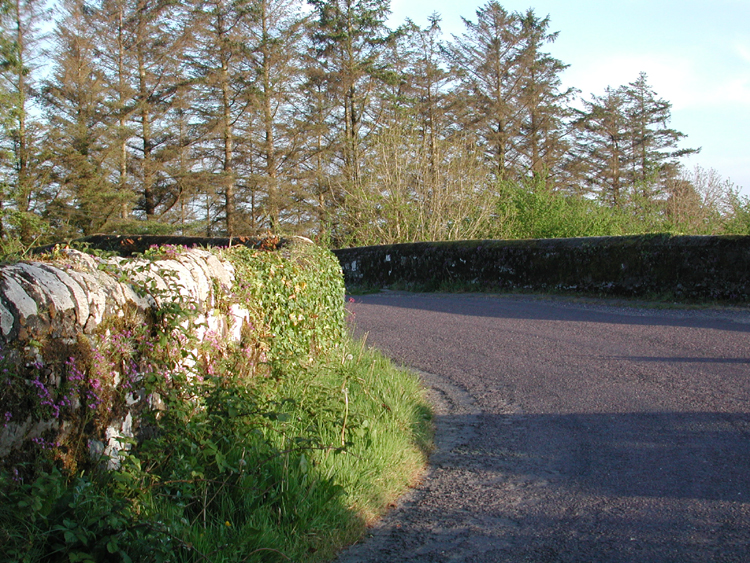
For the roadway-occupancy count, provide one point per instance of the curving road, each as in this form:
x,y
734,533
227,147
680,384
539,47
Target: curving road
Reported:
x,y
570,431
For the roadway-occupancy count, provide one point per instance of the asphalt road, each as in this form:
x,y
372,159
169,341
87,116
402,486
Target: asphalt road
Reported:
x,y
570,431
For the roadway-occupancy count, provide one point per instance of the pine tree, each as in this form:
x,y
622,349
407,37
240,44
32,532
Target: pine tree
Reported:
x,y
542,139
350,36
218,65
429,86
114,59
602,145
274,38
653,145
486,61
626,145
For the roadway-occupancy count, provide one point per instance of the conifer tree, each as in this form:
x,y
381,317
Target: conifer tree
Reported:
x,y
25,185
429,84
219,69
318,144
350,36
486,61
75,99
274,38
140,51
157,37
653,143
544,108
625,142
183,164
114,59
602,140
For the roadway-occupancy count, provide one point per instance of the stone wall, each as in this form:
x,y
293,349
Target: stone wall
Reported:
x,y
679,267
128,245
55,311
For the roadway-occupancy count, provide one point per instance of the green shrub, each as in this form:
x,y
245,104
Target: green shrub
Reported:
x,y
535,212
297,295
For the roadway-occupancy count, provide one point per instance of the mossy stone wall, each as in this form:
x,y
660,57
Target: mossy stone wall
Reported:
x,y
88,343
680,267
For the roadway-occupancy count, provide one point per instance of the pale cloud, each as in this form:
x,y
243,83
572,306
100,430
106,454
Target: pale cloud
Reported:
x,y
743,51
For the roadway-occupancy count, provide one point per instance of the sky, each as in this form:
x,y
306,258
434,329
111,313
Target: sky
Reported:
x,y
696,54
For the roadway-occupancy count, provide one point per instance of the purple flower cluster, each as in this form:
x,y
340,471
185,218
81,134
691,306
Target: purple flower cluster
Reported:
x,y
168,250
88,390
89,394
121,342
131,375
46,398
45,444
118,354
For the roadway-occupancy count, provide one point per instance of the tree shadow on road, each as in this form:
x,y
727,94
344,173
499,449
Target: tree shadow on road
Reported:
x,y
653,487
556,309
680,455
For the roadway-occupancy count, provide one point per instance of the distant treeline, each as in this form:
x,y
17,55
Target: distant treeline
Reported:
x,y
238,117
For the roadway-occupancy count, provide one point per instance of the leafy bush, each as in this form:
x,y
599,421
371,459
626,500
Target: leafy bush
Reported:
x,y
535,212
297,295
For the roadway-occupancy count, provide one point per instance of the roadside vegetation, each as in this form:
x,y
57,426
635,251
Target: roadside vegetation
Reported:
x,y
280,447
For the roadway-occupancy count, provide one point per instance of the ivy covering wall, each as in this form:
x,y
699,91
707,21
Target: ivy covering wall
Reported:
x,y
194,405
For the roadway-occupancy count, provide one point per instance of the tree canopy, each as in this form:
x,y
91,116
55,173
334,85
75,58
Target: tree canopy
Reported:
x,y
242,116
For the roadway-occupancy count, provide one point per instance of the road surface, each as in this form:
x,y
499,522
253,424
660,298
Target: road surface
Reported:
x,y
570,431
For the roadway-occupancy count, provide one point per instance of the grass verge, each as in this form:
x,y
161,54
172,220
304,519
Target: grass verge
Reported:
x,y
289,465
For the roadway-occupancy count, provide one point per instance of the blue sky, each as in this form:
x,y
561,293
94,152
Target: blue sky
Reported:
x,y
696,54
